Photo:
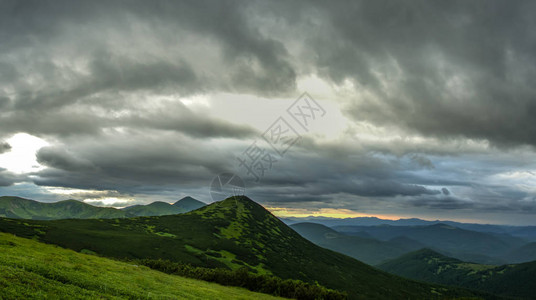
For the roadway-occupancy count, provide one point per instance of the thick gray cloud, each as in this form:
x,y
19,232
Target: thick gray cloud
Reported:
x,y
440,68
4,147
450,203
108,85
76,68
7,178
131,161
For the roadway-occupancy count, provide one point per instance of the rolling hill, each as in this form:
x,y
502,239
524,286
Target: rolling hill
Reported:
x,y
159,208
33,270
20,208
156,208
368,250
427,265
233,233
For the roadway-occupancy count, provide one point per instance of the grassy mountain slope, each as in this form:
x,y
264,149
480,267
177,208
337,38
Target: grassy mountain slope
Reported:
x,y
368,250
33,270
452,241
428,265
20,208
232,233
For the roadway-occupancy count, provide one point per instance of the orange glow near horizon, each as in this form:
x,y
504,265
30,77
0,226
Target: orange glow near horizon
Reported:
x,y
341,213
338,213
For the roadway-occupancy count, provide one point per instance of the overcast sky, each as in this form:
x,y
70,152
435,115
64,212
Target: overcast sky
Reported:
x,y
413,108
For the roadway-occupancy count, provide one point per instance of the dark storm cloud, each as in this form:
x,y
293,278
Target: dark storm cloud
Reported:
x,y
375,183
443,69
251,61
483,204
313,174
78,120
103,83
65,63
177,117
59,158
131,161
4,147
449,203
351,185
7,178
108,74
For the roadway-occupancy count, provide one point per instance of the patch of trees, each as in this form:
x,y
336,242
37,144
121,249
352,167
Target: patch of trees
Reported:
x,y
289,288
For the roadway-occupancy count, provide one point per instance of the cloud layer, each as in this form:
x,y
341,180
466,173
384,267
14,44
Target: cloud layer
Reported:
x,y
437,99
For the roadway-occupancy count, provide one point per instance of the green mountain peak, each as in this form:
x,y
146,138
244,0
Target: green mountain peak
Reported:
x,y
188,204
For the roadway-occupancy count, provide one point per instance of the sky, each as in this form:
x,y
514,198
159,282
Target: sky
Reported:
x,y
394,109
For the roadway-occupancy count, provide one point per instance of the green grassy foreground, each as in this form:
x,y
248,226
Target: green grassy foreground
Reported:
x,y
29,269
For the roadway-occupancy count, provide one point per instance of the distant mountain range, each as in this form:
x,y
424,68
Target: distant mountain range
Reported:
x,y
428,265
158,208
526,232
375,244
20,208
233,233
467,245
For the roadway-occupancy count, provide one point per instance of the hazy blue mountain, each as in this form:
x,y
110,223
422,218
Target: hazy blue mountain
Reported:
x,y
463,244
524,253
368,250
526,232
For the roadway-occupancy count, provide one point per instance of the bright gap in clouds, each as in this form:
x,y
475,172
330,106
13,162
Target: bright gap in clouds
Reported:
x,y
109,201
21,158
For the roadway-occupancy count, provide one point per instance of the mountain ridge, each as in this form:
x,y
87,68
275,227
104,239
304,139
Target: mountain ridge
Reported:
x,y
21,208
526,232
233,233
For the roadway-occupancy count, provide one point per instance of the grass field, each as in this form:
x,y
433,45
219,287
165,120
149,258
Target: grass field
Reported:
x,y
30,269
